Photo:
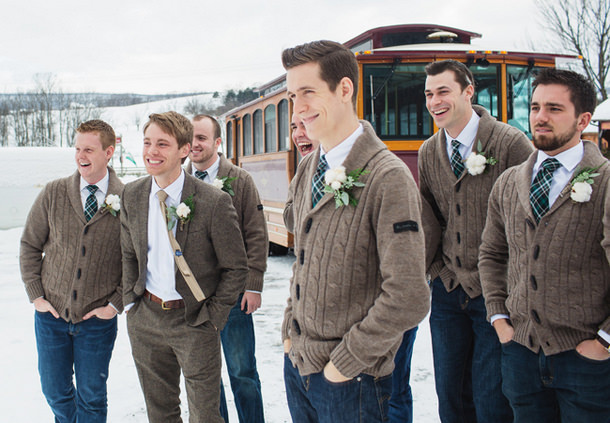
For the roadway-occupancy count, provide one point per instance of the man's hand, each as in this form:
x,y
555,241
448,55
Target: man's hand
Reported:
x,y
287,345
43,306
250,302
504,330
105,313
592,349
333,375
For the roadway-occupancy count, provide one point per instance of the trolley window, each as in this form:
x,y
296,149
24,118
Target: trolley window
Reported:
x,y
283,125
229,139
487,87
270,142
258,131
519,92
247,135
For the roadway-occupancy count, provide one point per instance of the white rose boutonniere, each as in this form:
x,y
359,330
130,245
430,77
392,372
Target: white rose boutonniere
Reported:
x,y
183,213
112,204
476,163
582,185
224,184
340,184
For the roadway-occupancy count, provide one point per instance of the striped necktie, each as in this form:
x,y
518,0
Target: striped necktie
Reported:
x,y
91,202
457,164
201,175
317,186
539,191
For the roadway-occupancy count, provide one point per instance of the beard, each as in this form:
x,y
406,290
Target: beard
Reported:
x,y
553,142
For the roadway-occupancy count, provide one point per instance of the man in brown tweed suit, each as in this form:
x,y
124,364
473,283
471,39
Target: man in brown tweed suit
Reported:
x,y
170,329
71,266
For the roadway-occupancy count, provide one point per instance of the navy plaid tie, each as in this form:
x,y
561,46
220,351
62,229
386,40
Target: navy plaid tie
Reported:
x,y
539,191
457,164
91,202
317,186
201,175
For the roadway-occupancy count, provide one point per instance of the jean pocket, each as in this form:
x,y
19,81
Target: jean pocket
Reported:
x,y
507,344
590,360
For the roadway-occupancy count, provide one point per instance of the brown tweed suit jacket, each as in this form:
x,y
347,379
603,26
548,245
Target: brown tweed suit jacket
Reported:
x,y
211,243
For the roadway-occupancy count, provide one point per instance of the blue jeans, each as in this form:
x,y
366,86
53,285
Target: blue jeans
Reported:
x,y
564,387
313,399
401,401
237,339
83,350
467,359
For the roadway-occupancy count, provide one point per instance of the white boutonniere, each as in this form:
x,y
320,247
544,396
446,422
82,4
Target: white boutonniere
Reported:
x,y
224,184
183,213
341,184
582,185
112,204
477,163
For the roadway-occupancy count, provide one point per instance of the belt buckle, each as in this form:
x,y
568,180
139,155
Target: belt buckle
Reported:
x,y
164,307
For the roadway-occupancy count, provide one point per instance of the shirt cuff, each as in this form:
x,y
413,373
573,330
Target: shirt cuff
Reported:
x,y
115,309
497,317
251,290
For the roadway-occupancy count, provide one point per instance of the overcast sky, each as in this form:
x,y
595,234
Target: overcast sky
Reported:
x,y
184,46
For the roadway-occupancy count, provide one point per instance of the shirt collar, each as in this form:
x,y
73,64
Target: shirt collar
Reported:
x,y
173,191
337,155
212,170
569,159
102,184
468,134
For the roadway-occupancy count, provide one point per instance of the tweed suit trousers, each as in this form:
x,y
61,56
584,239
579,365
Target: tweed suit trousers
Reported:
x,y
163,344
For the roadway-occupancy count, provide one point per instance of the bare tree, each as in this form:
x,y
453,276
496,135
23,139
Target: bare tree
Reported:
x,y
583,28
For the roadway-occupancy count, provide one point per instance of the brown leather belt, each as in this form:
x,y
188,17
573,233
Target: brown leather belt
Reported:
x,y
165,305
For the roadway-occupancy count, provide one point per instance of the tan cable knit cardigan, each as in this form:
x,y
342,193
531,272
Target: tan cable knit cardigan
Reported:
x,y
358,281
552,279
460,205
72,263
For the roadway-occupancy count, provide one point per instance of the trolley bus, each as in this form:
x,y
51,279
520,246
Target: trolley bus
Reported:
x,y
391,62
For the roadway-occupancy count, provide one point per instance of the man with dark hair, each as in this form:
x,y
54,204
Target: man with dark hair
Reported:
x,y
172,220
71,266
544,262
457,168
238,334
358,283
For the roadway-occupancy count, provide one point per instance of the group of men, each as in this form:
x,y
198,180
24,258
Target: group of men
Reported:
x,y
506,236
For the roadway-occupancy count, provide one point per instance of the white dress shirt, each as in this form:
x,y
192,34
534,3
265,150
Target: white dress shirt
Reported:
x,y
212,171
161,268
337,155
100,194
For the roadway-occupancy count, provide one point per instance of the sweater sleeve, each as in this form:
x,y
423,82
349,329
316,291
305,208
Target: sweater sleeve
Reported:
x,y
404,297
33,239
493,254
254,234
129,259
605,326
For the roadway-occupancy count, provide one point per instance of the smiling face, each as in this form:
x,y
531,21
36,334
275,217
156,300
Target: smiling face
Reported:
x,y
553,120
91,158
449,105
328,115
205,147
299,137
162,156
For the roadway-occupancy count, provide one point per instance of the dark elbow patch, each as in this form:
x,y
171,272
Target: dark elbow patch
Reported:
x,y
407,225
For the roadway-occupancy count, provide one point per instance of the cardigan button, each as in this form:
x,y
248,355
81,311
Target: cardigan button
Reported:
x,y
530,224
83,250
308,225
302,256
531,340
78,273
298,293
67,313
536,252
296,327
86,229
458,186
451,283
458,261
533,282
459,238
74,295
535,316
458,209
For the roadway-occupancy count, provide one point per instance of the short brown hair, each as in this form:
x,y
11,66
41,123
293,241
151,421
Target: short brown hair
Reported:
x,y
462,74
217,131
335,60
174,124
105,131
582,92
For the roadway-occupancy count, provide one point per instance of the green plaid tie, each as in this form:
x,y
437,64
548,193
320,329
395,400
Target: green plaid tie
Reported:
x,y
457,164
539,192
91,202
317,186
201,175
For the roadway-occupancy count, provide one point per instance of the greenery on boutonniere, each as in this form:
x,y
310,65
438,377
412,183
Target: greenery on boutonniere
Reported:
x,y
183,213
477,163
224,184
112,204
341,184
582,184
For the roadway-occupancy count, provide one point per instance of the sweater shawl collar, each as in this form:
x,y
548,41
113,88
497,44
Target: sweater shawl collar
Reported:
x,y
592,158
